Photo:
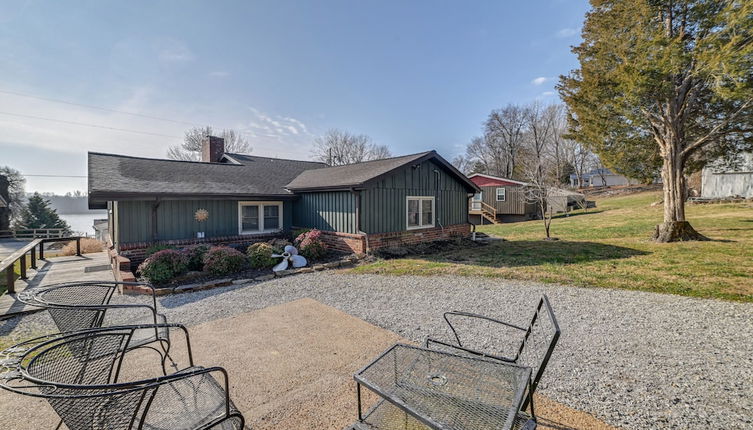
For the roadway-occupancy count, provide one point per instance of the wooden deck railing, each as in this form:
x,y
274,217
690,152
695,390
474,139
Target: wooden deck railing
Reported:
x,y
8,263
33,233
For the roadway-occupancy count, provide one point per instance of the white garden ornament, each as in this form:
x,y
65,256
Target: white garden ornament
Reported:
x,y
290,256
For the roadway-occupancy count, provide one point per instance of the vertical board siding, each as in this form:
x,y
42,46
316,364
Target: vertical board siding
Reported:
x,y
175,219
515,201
383,203
330,211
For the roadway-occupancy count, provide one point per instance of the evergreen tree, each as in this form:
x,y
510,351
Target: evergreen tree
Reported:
x,y
38,214
664,82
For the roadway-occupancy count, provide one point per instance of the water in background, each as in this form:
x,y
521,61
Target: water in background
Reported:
x,y
83,224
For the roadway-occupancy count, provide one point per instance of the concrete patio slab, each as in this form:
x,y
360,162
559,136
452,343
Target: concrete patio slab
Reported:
x,y
290,367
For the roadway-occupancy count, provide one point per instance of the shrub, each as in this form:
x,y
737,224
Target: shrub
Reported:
x,y
88,246
278,245
260,255
223,260
163,266
156,248
298,232
195,256
310,244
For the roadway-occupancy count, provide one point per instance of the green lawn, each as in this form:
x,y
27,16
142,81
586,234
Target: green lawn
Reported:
x,y
610,247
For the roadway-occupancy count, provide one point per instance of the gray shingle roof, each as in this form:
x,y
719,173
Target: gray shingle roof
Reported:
x,y
354,175
121,176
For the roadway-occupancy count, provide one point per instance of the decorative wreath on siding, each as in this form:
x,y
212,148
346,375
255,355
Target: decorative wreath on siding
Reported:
x,y
201,215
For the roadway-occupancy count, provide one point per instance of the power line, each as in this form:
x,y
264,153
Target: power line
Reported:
x,y
89,125
57,176
97,107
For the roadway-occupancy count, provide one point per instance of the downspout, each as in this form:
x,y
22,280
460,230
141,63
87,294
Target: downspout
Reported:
x,y
155,205
357,195
436,200
468,218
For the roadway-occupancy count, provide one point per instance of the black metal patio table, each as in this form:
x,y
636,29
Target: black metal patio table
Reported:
x,y
421,388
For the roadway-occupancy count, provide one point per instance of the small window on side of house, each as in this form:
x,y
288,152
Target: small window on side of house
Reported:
x,y
420,212
501,194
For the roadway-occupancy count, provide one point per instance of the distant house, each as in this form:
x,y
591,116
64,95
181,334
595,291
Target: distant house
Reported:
x,y
499,200
245,198
601,177
718,181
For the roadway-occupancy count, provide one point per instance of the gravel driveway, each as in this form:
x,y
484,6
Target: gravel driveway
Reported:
x,y
633,359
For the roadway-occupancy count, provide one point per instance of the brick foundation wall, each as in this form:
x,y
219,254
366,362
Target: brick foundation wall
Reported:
x,y
135,251
410,237
346,242
360,243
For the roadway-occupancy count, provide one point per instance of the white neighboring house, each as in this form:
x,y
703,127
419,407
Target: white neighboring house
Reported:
x,y
602,177
719,182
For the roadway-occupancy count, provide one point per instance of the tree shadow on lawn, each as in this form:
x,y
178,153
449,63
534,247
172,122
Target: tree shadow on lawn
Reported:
x,y
534,253
574,214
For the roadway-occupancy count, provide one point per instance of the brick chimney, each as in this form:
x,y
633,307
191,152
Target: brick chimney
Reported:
x,y
212,148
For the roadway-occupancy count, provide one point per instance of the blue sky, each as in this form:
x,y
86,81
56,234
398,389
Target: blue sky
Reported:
x,y
413,75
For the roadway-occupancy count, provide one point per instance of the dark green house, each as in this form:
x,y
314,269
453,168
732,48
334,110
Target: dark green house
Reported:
x,y
235,198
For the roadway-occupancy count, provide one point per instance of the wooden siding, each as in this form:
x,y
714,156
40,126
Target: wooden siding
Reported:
x,y
383,202
175,219
330,211
514,204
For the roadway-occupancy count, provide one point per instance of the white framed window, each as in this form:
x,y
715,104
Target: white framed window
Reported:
x,y
501,194
476,202
259,217
419,212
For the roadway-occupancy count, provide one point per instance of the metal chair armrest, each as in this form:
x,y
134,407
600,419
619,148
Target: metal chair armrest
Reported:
x,y
430,340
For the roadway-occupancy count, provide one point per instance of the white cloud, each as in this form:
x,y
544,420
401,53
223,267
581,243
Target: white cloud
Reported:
x,y
277,135
567,32
174,51
219,74
548,94
540,80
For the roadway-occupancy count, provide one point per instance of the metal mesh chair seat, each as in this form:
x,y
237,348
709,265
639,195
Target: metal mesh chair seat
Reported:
x,y
82,305
532,346
78,374
196,401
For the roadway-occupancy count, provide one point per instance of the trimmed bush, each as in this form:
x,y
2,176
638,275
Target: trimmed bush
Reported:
x,y
260,255
223,260
310,245
195,256
164,265
278,245
298,232
156,248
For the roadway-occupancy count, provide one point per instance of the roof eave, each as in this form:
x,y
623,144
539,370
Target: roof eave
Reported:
x,y
104,196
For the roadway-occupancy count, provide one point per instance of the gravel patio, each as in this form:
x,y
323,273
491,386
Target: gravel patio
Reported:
x,y
632,359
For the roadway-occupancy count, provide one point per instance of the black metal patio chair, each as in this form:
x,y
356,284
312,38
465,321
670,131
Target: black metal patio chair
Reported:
x,y
78,374
87,304
532,346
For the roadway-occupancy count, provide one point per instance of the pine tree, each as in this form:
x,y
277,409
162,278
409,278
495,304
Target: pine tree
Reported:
x,y
667,82
38,214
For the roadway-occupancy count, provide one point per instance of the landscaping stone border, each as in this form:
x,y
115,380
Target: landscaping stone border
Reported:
x,y
347,261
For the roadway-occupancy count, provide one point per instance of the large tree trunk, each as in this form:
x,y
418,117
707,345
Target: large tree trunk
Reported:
x,y
674,228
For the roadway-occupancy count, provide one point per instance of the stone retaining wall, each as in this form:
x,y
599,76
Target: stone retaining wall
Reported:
x,y
348,261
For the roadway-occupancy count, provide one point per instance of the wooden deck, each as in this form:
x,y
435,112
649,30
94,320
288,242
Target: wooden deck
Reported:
x,y
88,267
